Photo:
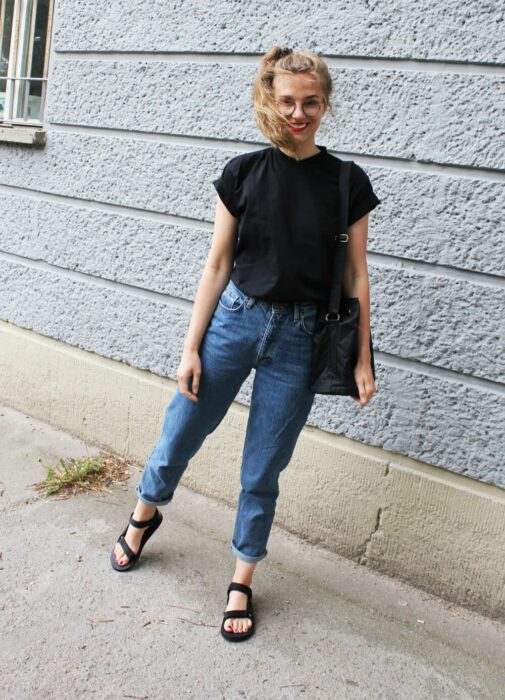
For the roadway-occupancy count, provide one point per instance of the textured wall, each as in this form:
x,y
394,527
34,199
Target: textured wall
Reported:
x,y
105,231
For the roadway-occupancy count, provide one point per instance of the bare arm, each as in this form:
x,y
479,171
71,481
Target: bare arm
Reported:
x,y
355,284
215,277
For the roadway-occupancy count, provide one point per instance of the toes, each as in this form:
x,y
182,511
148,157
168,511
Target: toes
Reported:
x,y
231,625
237,625
120,556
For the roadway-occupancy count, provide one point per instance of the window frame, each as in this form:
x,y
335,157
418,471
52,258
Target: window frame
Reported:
x,y
21,52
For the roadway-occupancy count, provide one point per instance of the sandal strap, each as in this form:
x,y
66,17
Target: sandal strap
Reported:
x,y
240,587
126,549
144,523
238,613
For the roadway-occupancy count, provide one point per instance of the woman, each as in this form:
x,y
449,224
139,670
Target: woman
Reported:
x,y
268,269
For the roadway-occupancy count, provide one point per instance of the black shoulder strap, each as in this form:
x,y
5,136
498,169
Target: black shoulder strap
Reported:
x,y
341,238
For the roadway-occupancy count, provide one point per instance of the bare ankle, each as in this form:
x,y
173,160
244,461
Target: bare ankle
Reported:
x,y
244,572
143,511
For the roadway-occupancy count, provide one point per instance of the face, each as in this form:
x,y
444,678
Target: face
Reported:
x,y
300,88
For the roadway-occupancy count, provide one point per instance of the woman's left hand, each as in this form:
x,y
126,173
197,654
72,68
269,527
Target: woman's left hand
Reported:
x,y
365,382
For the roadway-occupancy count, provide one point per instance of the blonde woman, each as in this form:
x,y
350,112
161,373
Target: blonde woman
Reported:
x,y
267,272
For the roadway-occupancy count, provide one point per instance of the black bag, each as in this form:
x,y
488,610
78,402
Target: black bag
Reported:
x,y
335,340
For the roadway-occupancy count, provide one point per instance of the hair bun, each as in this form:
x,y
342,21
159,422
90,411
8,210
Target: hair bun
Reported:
x,y
284,52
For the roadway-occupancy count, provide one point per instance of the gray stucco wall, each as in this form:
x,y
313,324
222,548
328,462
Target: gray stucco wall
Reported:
x,y
104,232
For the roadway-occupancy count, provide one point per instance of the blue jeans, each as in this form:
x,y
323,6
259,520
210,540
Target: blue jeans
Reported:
x,y
243,332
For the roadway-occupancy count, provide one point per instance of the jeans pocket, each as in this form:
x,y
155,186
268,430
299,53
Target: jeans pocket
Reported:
x,y
230,300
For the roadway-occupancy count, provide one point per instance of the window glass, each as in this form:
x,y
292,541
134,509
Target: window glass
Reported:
x,y
40,39
6,17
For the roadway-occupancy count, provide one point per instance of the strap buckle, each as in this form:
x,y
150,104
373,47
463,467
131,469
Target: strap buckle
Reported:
x,y
342,237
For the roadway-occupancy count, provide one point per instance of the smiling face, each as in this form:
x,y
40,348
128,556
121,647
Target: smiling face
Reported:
x,y
298,89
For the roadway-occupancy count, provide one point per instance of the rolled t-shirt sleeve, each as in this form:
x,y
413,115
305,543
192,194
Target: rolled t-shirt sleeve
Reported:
x,y
362,198
228,187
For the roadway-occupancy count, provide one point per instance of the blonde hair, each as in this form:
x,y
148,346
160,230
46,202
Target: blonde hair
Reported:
x,y
284,61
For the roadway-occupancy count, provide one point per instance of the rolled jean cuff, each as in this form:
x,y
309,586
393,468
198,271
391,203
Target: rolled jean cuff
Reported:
x,y
246,557
149,502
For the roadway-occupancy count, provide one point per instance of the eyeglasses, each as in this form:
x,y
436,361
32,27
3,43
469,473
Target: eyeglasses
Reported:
x,y
310,107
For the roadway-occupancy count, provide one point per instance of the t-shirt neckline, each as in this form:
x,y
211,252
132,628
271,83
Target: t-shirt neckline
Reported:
x,y
289,159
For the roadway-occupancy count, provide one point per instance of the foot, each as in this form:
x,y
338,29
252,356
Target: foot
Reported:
x,y
133,538
238,601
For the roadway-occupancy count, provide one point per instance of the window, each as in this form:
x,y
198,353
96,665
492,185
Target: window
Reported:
x,y
25,27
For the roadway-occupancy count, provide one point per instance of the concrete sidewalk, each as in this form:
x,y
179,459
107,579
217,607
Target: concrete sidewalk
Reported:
x,y
326,627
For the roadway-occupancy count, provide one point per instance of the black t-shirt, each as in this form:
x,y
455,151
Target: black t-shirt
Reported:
x,y
287,211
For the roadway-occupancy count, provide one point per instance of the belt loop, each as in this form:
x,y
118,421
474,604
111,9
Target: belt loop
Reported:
x,y
250,301
297,311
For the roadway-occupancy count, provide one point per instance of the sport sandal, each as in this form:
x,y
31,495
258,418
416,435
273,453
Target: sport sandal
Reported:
x,y
239,636
151,526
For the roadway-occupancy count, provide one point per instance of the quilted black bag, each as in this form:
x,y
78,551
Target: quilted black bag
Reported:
x,y
335,340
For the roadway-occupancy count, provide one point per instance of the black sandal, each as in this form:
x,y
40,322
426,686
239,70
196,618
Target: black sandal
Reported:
x,y
151,526
239,636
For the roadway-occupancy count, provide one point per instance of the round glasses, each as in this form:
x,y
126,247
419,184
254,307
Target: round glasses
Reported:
x,y
310,107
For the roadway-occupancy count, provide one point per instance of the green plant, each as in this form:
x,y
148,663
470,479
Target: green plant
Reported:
x,y
84,474
74,472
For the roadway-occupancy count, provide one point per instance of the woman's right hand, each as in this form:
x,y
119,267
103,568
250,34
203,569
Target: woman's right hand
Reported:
x,y
190,367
